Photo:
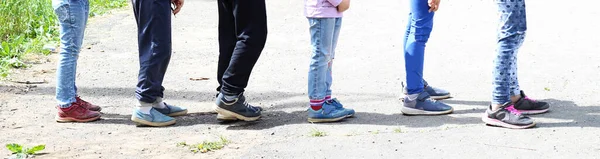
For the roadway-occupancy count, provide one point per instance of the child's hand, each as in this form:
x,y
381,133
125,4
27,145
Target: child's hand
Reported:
x,y
434,5
178,4
343,6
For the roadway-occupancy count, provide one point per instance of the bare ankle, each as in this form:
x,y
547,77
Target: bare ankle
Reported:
x,y
515,98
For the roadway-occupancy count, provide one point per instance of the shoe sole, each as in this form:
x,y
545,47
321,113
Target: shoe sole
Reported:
x,y
315,120
228,113
411,111
181,113
533,112
225,118
499,123
441,97
70,119
155,124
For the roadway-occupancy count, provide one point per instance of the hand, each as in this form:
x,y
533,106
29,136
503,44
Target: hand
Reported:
x,y
178,4
343,6
434,5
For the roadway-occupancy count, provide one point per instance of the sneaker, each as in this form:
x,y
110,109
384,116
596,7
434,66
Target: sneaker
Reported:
x,y
76,113
327,113
155,118
424,105
88,105
338,105
230,118
507,116
238,108
172,111
434,93
526,105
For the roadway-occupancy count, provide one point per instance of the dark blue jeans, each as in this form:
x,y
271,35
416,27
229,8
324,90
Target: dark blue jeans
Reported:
x,y
153,19
242,37
420,24
511,33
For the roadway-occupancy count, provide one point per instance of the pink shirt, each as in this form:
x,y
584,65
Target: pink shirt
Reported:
x,y
322,8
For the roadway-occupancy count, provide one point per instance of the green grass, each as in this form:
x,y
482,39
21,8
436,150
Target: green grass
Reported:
x,y
317,133
28,25
206,146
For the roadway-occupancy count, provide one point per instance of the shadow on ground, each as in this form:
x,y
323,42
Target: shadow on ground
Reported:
x,y
567,113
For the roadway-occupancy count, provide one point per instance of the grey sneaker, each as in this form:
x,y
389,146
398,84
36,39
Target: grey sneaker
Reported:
x,y
238,108
526,105
507,116
434,93
424,105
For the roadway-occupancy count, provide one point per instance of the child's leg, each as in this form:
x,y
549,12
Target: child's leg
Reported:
x,y
322,35
336,35
421,24
227,38
72,16
511,33
154,41
251,28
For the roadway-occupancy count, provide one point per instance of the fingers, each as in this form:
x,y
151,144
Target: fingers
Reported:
x,y
434,5
178,5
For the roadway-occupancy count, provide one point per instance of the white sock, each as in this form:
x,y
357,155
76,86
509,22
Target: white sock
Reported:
x,y
412,96
229,98
145,110
159,103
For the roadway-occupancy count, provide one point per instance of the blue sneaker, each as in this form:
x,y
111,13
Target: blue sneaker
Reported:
x,y
424,105
172,110
238,108
327,113
434,93
338,105
155,118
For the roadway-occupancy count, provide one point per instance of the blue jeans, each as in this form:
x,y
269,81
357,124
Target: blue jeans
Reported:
x,y
511,33
324,33
420,24
72,17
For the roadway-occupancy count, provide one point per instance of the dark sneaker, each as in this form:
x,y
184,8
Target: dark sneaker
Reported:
x,y
230,118
76,113
526,105
507,116
434,93
155,118
327,113
424,105
338,105
238,108
88,105
172,111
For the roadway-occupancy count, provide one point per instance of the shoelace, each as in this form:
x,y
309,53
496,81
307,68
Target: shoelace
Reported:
x,y
512,110
250,106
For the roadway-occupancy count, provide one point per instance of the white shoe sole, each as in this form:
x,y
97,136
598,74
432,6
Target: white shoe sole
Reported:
x,y
155,124
412,111
228,114
499,123
441,97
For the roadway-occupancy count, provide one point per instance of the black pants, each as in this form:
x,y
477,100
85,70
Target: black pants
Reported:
x,y
153,19
242,37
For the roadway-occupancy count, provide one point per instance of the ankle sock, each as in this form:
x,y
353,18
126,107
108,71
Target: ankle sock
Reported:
x,y
412,96
316,104
145,110
159,103
327,98
229,98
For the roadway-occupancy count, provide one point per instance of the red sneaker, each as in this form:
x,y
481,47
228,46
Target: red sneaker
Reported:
x,y
76,113
88,105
